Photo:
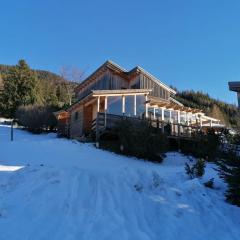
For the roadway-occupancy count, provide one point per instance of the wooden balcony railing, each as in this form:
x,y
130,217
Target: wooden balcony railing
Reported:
x,y
107,122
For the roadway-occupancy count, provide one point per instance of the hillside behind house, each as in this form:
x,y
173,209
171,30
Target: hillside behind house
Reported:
x,y
227,113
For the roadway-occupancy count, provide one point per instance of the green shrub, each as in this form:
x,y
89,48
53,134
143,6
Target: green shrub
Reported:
x,y
229,168
36,119
189,170
141,140
196,170
200,168
205,145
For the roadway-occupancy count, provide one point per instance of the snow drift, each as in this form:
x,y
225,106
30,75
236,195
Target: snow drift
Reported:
x,y
59,189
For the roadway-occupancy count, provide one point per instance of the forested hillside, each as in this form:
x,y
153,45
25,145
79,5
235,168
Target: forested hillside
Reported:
x,y
227,113
32,96
52,89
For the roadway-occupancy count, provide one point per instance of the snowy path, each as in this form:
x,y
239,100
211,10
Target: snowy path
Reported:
x,y
58,189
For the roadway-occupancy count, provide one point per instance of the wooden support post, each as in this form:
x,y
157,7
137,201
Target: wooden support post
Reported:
x,y
97,131
162,114
154,113
179,121
105,104
135,105
12,130
187,119
105,111
123,104
146,106
170,116
178,117
98,104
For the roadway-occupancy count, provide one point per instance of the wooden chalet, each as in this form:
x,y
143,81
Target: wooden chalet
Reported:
x,y
112,92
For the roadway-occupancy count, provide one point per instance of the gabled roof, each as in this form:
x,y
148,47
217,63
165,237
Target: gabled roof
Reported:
x,y
126,74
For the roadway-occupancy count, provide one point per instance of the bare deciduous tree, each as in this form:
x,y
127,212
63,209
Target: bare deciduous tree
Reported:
x,y
71,75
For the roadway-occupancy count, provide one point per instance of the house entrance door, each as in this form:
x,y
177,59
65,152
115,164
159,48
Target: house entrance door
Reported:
x,y
87,122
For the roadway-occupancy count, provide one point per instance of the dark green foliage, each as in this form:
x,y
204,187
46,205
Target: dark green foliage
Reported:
x,y
229,168
200,167
205,145
233,138
227,113
189,170
196,170
36,118
209,183
19,85
55,90
20,88
141,140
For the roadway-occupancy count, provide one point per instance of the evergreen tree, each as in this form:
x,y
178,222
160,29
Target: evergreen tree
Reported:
x,y
230,172
20,88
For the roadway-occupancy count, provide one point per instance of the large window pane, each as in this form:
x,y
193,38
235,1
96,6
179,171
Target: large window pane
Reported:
x,y
158,113
115,105
151,112
183,118
129,106
167,115
140,102
174,116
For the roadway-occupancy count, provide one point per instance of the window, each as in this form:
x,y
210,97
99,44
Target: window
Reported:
x,y
174,116
129,106
183,117
158,113
167,115
151,112
115,105
140,102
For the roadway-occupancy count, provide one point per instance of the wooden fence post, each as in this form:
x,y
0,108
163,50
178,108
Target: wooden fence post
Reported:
x,y
97,131
12,130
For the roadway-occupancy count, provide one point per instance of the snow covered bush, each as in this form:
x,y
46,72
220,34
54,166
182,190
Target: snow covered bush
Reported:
x,y
36,118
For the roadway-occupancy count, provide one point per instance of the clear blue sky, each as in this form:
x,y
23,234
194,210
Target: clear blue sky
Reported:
x,y
190,44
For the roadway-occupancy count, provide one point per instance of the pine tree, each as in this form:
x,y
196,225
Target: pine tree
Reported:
x,y
230,172
20,88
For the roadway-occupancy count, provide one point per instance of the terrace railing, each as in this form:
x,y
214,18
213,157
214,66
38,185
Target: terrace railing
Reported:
x,y
108,122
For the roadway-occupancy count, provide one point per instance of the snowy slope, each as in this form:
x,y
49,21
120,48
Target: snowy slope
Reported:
x,y
59,189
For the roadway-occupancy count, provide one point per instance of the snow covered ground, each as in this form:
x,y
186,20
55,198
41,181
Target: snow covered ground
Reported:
x,y
59,189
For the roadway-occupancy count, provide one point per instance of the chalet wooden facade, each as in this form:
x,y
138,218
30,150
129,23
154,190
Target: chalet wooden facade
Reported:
x,y
137,94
